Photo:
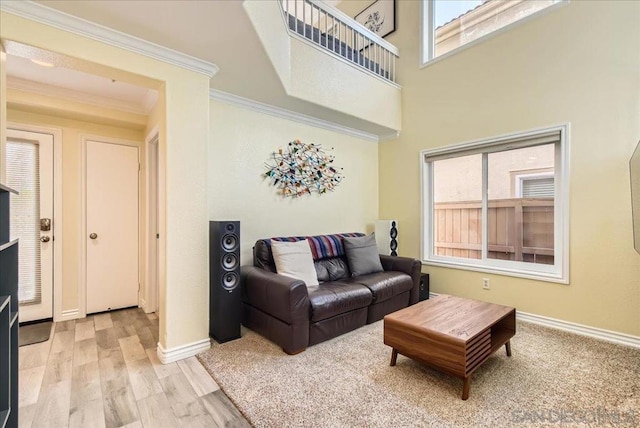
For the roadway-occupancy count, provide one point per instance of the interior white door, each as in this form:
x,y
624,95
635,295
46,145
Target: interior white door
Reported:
x,y
111,226
29,160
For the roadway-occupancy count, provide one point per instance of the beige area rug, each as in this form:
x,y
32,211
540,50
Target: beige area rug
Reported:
x,y
552,379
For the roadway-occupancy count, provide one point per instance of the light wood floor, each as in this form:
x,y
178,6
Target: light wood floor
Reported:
x,y
103,371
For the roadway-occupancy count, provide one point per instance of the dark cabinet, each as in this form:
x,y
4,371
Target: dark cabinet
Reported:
x,y
8,317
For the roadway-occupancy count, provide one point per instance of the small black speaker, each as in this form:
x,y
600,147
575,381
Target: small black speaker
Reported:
x,y
424,287
225,303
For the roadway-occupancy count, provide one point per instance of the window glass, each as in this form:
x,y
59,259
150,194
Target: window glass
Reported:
x,y
498,205
23,166
519,228
458,206
450,24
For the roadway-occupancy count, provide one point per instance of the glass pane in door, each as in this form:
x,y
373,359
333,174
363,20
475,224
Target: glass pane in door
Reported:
x,y
23,166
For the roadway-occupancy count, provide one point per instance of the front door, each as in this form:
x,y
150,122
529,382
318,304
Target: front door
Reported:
x,y
29,160
112,226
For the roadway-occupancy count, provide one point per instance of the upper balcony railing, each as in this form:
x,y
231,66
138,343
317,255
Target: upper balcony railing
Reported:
x,y
339,34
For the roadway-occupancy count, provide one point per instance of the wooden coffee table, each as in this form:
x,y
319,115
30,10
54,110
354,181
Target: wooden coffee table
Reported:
x,y
452,334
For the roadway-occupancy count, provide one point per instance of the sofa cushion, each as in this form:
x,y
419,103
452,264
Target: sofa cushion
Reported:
x,y
335,298
362,255
294,259
331,269
322,247
384,285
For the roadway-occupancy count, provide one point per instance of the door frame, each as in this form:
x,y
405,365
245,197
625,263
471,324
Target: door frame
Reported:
x,y
82,280
58,235
149,298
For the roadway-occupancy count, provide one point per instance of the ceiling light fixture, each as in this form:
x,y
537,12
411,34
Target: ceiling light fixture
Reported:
x,y
42,63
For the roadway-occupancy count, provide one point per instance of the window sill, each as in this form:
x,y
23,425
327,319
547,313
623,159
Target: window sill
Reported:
x,y
538,276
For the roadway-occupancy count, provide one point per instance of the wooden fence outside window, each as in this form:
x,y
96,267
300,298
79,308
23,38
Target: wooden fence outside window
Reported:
x,y
519,229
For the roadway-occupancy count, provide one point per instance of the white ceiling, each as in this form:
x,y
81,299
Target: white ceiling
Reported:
x,y
76,85
217,31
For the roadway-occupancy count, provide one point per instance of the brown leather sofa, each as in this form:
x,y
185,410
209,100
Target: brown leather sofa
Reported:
x,y
294,316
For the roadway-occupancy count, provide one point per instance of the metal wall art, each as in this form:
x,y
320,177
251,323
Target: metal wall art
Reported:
x,y
302,169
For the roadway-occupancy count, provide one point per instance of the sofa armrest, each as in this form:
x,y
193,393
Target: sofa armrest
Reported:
x,y
411,267
277,295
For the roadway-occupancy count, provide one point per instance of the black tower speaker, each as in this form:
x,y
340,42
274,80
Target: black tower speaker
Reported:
x,y
387,237
393,238
424,287
225,304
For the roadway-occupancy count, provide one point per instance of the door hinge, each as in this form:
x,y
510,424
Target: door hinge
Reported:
x,y
138,287
138,166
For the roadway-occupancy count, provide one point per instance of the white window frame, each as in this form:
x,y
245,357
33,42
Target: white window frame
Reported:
x,y
559,271
427,28
520,178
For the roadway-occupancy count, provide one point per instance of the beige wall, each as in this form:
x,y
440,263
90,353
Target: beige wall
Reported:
x,y
577,64
242,141
183,158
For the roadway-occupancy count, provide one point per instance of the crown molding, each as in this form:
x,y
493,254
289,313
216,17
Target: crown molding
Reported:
x,y
390,136
271,110
64,21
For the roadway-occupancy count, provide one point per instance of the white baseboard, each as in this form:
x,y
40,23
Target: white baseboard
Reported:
x,y
579,329
67,315
170,355
582,330
143,305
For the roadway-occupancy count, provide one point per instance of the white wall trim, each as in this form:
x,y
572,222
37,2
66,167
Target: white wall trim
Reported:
x,y
582,330
67,315
259,107
170,355
63,21
57,209
575,328
388,137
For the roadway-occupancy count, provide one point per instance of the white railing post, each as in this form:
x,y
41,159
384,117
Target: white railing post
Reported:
x,y
368,50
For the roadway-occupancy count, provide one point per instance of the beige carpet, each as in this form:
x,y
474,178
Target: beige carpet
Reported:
x,y
552,379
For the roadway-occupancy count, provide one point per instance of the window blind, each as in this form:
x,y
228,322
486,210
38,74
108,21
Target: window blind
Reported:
x,y
530,139
23,174
538,187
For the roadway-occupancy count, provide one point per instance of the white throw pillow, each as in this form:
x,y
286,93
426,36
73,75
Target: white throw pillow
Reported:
x,y
294,259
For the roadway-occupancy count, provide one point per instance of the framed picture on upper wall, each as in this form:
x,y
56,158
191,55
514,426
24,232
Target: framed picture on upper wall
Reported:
x,y
380,17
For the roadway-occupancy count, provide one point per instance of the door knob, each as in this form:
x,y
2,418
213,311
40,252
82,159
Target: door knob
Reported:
x,y
93,236
45,239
